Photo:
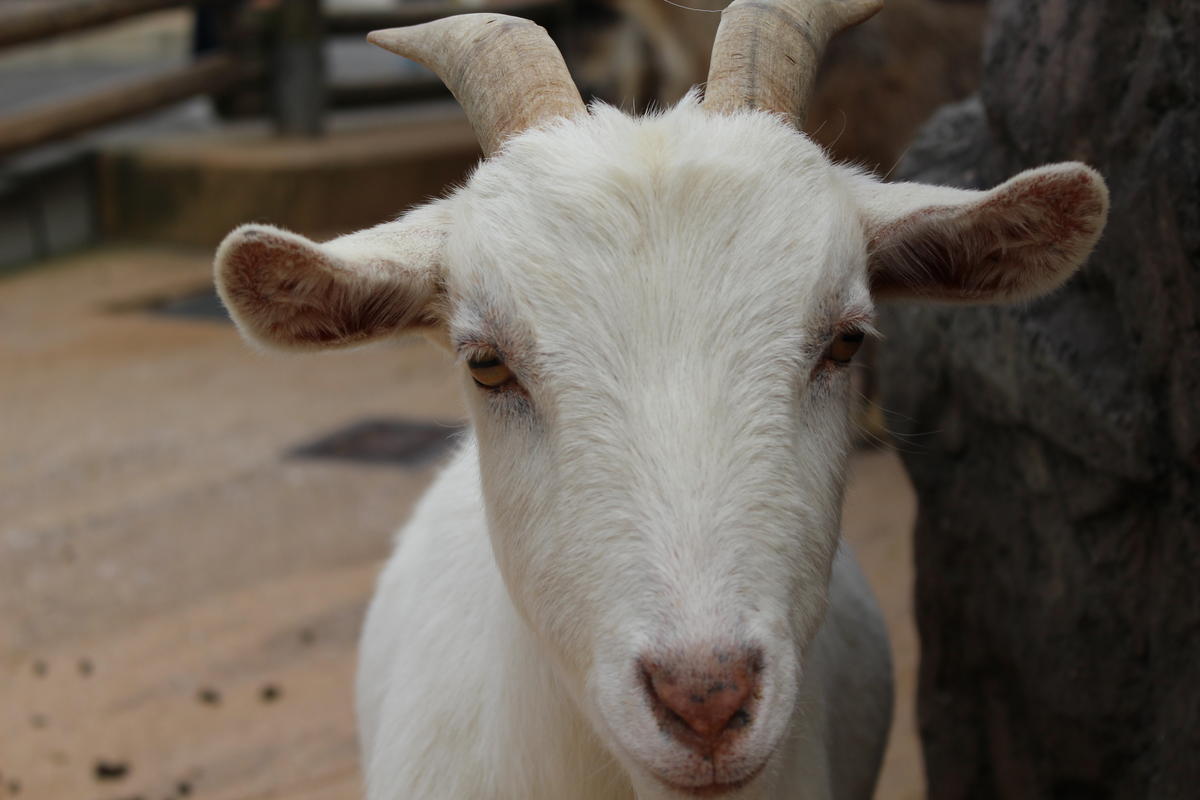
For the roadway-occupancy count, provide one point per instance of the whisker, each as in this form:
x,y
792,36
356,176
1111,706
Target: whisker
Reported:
x,y
845,122
897,440
900,158
690,8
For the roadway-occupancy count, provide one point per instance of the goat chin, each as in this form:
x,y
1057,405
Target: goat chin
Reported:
x,y
458,698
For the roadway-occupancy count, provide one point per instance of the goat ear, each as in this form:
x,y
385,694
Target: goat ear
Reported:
x,y
1015,242
287,292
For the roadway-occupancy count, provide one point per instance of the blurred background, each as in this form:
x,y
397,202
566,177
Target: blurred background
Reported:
x,y
189,531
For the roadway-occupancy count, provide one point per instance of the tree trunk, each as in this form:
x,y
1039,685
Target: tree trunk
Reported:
x,y
1055,447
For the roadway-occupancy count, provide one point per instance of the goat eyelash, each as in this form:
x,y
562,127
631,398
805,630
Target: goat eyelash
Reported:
x,y
476,352
483,360
857,323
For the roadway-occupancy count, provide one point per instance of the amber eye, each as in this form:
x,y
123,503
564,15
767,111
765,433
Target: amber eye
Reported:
x,y
489,372
844,346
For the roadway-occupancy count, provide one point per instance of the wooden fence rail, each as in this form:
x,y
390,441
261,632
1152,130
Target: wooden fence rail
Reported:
x,y
206,75
280,48
352,21
24,21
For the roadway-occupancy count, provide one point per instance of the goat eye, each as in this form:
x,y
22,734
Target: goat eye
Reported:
x,y
490,373
844,346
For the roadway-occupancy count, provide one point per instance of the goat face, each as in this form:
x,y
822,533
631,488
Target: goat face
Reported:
x,y
663,458
655,318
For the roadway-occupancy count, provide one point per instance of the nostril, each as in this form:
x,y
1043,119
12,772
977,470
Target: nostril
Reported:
x,y
700,700
740,719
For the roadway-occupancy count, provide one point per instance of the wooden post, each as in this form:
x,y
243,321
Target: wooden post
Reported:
x,y
298,69
232,27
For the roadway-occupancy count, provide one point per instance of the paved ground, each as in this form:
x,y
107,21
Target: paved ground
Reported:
x,y
179,597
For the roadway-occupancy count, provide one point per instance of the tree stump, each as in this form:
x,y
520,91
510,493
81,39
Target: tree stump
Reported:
x,y
1055,447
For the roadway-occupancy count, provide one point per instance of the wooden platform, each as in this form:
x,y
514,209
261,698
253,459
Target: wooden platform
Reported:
x,y
179,596
368,168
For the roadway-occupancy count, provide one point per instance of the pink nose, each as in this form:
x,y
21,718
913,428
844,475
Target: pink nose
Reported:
x,y
703,699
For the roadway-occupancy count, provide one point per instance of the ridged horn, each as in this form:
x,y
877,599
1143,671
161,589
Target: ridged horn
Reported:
x,y
505,71
767,52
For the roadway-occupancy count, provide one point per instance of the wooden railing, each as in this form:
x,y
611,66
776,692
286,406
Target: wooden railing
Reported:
x,y
24,21
265,60
206,75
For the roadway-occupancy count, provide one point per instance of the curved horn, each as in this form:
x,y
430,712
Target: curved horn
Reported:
x,y
505,71
767,52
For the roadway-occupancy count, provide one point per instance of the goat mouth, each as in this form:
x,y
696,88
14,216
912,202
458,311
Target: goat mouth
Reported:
x,y
714,789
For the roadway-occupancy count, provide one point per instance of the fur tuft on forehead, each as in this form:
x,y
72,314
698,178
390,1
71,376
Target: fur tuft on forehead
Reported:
x,y
678,227
683,160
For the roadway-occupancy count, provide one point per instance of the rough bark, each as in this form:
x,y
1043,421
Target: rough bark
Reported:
x,y
1055,447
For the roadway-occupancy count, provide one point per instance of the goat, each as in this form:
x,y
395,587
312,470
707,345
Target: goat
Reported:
x,y
629,582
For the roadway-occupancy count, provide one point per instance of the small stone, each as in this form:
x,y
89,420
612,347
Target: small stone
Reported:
x,y
270,693
210,697
110,770
40,668
86,668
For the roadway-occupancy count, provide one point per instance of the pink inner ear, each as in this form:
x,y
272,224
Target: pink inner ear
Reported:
x,y
1019,240
288,292
279,287
268,268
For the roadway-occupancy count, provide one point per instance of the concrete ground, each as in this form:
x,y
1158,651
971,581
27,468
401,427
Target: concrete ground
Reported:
x,y
180,594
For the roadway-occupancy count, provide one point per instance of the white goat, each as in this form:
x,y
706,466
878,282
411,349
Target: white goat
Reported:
x,y
629,582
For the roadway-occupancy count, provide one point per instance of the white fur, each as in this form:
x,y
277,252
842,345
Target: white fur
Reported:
x,y
458,699
669,476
